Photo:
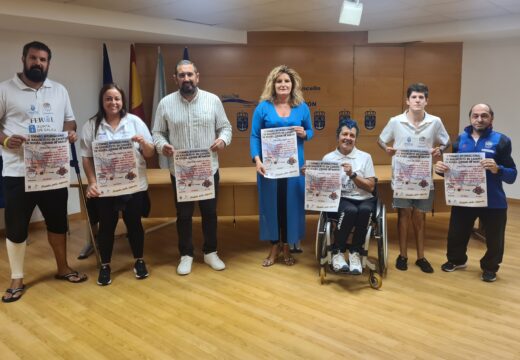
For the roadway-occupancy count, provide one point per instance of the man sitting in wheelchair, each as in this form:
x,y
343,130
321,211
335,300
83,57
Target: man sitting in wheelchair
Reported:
x,y
357,201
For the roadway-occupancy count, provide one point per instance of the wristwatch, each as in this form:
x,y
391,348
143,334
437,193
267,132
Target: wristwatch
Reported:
x,y
353,176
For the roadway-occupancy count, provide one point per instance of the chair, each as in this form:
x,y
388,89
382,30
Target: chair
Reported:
x,y
377,229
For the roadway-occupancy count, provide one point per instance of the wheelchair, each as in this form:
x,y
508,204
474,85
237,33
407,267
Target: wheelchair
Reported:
x,y
377,228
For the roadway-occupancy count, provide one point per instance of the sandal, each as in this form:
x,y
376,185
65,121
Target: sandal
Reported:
x,y
287,257
273,255
13,293
72,277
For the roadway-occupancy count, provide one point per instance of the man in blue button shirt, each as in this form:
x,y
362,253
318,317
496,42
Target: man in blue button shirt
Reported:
x,y
500,167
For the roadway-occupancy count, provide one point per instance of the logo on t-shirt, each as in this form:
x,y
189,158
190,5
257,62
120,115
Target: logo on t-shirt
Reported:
x,y
47,108
32,110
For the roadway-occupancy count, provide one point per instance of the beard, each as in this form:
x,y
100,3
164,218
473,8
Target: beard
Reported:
x,y
35,73
188,88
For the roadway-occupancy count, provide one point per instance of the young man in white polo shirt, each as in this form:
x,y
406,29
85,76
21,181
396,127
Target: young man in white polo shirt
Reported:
x,y
31,103
414,129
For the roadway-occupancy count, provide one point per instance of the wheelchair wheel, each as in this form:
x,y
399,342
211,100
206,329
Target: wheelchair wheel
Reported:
x,y
382,243
375,280
321,233
323,275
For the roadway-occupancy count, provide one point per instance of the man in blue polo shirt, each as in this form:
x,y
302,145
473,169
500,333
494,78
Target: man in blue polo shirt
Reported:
x,y
500,167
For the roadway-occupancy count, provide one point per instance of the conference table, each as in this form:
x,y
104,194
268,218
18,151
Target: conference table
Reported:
x,y
238,194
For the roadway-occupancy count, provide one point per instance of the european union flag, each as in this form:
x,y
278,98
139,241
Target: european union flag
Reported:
x,y
107,71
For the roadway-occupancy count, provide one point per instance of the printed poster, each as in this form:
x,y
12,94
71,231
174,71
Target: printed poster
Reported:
x,y
322,185
280,152
193,175
47,161
116,167
465,183
412,174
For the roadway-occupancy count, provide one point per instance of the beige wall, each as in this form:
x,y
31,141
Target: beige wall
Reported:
x,y
491,75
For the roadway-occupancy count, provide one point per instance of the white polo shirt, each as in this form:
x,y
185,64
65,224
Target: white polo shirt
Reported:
x,y
24,110
129,126
404,135
362,164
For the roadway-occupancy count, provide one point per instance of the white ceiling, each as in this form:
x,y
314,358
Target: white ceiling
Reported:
x,y
228,20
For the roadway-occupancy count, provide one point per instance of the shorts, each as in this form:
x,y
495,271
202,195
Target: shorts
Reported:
x,y
19,206
424,205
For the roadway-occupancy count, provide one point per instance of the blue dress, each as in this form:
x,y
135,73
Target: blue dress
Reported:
x,y
265,116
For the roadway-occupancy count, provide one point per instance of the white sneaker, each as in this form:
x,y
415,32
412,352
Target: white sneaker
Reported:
x,y
214,261
339,263
184,267
355,263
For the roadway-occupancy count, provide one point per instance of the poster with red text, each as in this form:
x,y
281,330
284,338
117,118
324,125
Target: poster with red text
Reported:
x,y
116,167
465,183
193,175
47,161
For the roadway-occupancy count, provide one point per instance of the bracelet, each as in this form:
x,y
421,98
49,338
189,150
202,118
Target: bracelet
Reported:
x,y
6,140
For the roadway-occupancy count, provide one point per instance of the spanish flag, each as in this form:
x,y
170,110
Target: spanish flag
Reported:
x,y
136,99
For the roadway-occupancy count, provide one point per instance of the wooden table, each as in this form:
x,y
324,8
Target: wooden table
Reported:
x,y
238,195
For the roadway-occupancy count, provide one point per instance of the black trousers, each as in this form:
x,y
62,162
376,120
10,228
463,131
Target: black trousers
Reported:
x,y
281,204
19,206
461,225
108,211
352,213
208,211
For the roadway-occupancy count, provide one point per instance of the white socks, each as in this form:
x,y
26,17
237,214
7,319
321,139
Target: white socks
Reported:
x,y
16,255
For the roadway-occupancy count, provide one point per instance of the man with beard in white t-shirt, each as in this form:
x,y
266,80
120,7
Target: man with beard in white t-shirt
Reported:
x,y
31,103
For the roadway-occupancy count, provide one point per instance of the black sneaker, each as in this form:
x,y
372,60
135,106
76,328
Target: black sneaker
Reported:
x,y
424,265
449,266
104,275
140,269
489,276
401,263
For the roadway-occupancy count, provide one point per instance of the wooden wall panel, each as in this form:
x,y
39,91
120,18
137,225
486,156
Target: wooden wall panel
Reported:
x,y
294,38
369,145
449,115
437,65
339,70
378,75
383,114
236,154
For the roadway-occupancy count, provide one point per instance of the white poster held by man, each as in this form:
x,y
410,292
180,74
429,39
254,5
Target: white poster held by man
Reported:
x,y
116,167
47,161
322,185
412,174
193,175
465,183
280,152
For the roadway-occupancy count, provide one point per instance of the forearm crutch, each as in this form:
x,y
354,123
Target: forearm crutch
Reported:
x,y
74,163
